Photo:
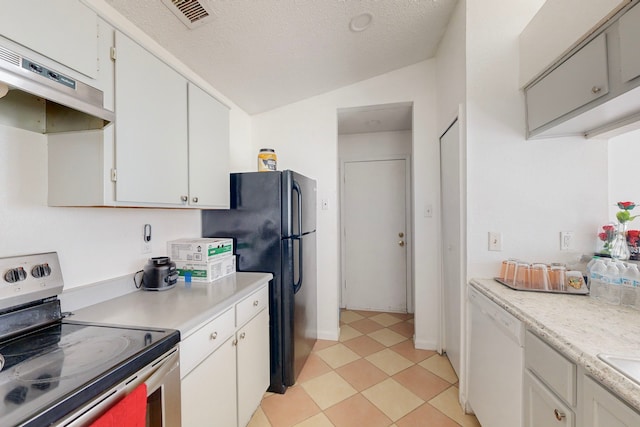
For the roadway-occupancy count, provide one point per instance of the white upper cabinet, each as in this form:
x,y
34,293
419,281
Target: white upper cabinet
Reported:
x,y
591,90
557,27
630,45
208,150
577,81
63,30
151,128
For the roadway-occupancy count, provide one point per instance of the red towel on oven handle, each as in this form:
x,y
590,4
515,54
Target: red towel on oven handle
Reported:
x,y
131,411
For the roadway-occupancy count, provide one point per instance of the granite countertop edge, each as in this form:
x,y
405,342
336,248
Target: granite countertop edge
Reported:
x,y
555,336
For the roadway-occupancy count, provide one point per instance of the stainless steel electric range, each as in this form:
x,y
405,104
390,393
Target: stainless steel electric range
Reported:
x,y
54,371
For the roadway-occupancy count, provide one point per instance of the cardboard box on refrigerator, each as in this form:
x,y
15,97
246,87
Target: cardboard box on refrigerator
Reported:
x,y
200,250
206,271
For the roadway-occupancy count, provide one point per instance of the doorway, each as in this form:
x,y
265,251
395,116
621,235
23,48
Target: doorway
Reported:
x,y
374,145
452,202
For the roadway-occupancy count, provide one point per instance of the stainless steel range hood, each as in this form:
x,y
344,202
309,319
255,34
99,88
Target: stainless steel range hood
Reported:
x,y
59,94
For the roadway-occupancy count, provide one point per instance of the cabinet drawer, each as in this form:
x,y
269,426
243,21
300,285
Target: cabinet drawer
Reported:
x,y
197,346
542,408
252,305
579,80
551,367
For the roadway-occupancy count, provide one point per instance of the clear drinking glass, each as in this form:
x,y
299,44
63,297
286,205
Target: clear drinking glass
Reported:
x,y
540,276
523,275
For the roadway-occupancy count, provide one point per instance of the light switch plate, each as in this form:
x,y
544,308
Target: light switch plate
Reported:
x,y
566,240
495,241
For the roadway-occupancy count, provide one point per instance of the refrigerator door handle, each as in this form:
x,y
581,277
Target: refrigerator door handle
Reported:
x,y
298,284
298,236
296,187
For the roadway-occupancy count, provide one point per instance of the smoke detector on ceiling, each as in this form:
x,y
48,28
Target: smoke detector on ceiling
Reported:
x,y
192,13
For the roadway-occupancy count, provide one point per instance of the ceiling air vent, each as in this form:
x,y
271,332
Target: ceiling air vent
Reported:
x,y
192,13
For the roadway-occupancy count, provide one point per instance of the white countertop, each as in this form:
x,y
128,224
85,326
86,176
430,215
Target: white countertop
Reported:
x,y
579,327
182,307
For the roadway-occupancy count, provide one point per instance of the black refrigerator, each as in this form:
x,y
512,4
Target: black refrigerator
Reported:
x,y
272,219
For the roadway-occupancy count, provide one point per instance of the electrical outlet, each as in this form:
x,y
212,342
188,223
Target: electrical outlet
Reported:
x,y
324,204
146,248
428,211
566,240
495,241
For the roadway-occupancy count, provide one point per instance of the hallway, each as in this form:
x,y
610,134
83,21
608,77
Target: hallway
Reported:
x,y
372,377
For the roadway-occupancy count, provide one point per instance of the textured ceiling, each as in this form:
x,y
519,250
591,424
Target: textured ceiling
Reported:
x,y
263,54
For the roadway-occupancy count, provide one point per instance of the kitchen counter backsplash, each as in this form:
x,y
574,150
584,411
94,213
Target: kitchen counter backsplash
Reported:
x,y
579,327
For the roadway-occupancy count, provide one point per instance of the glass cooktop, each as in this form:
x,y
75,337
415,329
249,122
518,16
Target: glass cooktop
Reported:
x,y
51,371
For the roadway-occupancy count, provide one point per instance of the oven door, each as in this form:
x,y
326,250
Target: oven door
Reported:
x,y
162,378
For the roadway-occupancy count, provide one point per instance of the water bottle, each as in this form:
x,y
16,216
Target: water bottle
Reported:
x,y
596,278
630,281
612,286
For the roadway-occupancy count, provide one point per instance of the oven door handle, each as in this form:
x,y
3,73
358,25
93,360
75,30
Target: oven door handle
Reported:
x,y
153,376
156,378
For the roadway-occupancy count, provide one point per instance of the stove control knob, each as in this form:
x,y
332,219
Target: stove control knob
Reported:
x,y
15,275
42,270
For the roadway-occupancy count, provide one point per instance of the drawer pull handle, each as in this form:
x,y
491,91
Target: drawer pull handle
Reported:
x,y
213,335
559,415
242,335
596,89
235,342
255,303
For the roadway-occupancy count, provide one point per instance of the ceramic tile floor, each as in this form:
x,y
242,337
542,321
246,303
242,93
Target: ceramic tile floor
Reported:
x,y
371,377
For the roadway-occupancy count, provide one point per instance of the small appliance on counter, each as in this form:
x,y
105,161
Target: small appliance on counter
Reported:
x,y
159,274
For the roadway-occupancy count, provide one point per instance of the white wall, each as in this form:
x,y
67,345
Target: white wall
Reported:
x,y
451,68
624,179
374,144
527,190
304,136
94,244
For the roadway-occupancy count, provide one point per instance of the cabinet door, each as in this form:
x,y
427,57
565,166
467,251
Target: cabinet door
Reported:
x,y
151,128
208,150
253,365
209,391
63,30
542,408
576,82
630,44
603,409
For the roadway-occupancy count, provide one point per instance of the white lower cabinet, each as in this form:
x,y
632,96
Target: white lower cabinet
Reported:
x,y
603,409
253,365
222,384
557,392
209,391
542,408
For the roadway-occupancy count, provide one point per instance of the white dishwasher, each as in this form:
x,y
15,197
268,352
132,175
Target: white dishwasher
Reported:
x,y
496,360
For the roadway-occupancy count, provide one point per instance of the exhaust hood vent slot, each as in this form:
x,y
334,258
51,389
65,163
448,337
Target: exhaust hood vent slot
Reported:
x,y
192,13
7,56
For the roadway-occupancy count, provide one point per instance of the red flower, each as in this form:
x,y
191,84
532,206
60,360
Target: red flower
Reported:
x,y
627,206
603,236
608,227
633,237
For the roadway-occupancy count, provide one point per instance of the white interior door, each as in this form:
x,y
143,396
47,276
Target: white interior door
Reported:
x,y
375,231
451,193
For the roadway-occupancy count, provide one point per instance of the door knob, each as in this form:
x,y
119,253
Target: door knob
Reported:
x,y
401,234
401,243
